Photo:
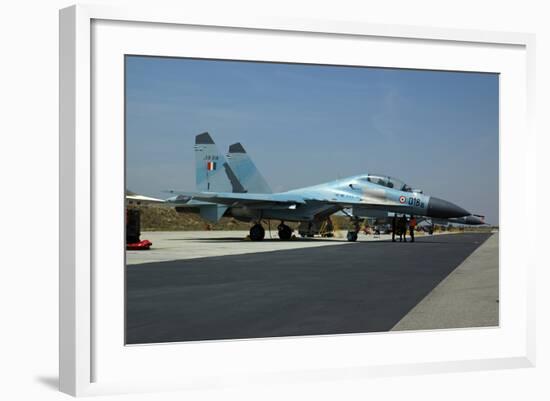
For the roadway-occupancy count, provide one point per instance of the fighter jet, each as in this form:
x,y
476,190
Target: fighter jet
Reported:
x,y
381,217
237,189
471,220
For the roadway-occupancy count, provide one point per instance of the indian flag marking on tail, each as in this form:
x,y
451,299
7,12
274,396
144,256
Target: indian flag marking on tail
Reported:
x,y
211,166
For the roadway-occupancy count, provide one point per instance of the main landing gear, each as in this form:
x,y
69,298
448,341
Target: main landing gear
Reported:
x,y
257,232
285,232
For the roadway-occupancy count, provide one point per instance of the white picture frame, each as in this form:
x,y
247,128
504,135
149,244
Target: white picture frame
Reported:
x,y
83,344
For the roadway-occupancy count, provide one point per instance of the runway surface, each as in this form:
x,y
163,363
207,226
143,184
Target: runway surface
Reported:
x,y
348,288
179,245
468,297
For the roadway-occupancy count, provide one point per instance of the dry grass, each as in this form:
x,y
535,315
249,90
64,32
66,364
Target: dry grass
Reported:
x,y
167,219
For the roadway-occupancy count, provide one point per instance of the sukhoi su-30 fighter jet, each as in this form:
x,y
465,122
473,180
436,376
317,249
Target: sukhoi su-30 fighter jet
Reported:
x,y
234,187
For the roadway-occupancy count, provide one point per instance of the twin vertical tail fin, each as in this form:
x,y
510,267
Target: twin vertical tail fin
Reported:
x,y
246,171
212,175
209,166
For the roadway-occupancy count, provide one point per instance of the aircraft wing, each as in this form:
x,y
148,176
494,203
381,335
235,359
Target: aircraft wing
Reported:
x,y
287,200
244,199
366,200
141,199
370,204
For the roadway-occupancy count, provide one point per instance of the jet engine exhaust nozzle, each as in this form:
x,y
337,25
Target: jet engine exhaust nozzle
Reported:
x,y
443,209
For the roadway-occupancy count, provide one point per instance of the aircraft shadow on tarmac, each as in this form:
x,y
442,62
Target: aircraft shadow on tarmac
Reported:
x,y
421,240
240,239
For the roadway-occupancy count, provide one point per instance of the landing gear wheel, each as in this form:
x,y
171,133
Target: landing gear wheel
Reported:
x,y
285,232
352,236
257,232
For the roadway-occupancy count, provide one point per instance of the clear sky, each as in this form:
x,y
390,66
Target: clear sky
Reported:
x,y
305,125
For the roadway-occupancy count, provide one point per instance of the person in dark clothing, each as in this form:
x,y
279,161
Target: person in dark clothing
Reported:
x,y
412,226
393,227
403,229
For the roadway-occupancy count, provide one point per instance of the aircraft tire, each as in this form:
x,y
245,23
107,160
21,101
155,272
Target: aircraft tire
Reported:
x,y
285,233
352,236
257,232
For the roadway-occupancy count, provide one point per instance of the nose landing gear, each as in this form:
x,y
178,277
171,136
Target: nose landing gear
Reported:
x,y
352,236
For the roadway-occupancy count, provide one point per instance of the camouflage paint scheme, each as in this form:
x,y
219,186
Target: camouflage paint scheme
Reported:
x,y
235,187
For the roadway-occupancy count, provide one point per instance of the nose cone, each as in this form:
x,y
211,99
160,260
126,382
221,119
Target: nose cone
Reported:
x,y
443,209
474,220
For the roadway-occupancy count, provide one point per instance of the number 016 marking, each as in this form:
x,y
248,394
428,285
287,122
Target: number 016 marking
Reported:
x,y
416,202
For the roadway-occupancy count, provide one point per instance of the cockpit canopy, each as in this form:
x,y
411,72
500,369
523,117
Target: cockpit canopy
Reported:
x,y
388,182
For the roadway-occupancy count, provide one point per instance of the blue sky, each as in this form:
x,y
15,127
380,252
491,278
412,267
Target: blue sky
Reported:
x,y
305,124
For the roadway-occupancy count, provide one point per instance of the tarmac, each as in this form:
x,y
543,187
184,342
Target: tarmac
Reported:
x,y
215,285
182,245
468,297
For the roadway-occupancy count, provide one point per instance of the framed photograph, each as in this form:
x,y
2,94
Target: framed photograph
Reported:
x,y
279,200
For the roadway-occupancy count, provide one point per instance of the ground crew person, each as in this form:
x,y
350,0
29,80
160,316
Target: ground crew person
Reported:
x,y
403,229
412,226
393,227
